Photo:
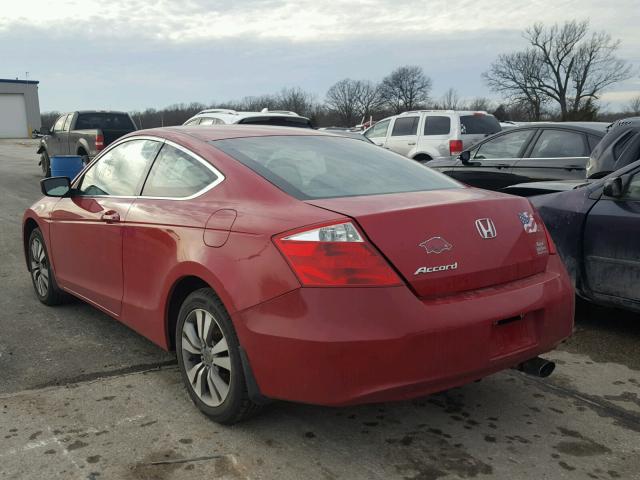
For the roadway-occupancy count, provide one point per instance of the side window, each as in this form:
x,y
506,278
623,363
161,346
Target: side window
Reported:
x,y
195,121
67,122
633,189
508,145
593,141
405,126
621,145
121,170
59,125
559,143
437,125
177,174
378,130
207,121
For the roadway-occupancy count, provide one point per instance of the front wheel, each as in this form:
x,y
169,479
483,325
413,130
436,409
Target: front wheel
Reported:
x,y
209,359
45,164
42,276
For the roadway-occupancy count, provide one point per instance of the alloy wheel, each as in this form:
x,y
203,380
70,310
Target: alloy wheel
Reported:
x,y
39,267
205,353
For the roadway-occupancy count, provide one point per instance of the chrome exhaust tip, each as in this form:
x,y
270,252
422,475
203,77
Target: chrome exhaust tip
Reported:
x,y
538,367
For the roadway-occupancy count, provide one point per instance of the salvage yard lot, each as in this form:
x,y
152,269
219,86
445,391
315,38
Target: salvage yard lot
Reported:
x,y
82,396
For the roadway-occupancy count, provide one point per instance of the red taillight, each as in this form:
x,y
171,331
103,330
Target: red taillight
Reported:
x,y
551,247
99,142
455,147
335,255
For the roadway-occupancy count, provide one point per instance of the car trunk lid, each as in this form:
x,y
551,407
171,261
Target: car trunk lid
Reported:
x,y
453,240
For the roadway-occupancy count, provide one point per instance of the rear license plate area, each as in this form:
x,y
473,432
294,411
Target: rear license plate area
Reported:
x,y
513,334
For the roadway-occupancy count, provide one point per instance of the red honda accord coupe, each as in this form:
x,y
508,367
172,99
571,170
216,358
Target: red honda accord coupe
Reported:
x,y
298,265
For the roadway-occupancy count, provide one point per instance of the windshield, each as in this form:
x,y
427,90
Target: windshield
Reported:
x,y
310,167
104,121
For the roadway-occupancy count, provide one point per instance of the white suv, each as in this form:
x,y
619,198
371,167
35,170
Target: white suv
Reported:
x,y
220,116
432,134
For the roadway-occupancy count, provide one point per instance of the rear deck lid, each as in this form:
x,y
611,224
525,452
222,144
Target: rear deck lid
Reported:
x,y
448,241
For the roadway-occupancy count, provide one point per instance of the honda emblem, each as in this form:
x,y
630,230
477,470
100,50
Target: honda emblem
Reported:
x,y
486,228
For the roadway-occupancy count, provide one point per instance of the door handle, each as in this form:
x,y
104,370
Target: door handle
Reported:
x,y
110,216
411,143
503,165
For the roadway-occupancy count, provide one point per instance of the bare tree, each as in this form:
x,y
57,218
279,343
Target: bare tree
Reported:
x,y
343,98
634,106
514,75
369,98
296,100
564,64
481,104
406,88
450,100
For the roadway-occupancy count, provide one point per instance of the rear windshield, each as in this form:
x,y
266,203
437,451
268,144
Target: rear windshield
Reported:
x,y
310,167
104,121
479,124
301,122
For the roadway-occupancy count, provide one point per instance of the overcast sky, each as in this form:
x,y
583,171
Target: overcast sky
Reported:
x,y
134,54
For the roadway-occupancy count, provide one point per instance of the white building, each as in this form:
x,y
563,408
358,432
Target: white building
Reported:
x,y
19,108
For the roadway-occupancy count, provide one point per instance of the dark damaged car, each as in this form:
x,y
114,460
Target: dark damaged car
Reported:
x,y
596,228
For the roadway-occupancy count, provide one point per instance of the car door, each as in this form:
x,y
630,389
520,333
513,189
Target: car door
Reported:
x,y
65,136
378,133
611,246
87,227
404,135
56,137
436,133
555,154
491,162
168,217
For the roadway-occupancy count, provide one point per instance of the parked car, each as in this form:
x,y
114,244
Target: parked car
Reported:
x,y
427,135
219,116
596,228
536,152
618,148
83,133
261,256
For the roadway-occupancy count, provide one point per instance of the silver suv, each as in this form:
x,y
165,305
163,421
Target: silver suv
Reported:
x,y
432,134
221,116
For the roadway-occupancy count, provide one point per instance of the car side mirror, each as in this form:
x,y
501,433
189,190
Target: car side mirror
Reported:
x,y
465,156
613,187
55,186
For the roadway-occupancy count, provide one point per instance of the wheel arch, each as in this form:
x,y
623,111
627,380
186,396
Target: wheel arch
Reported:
x,y
422,157
29,226
179,291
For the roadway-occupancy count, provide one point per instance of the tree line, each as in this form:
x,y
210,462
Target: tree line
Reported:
x,y
560,75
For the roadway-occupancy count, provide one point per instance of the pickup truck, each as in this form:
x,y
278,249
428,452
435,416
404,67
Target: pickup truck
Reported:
x,y
82,133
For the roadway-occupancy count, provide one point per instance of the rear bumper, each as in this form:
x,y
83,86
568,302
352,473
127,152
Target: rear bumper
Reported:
x,y
341,346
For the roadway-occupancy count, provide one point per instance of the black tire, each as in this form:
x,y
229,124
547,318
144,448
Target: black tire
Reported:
x,y
422,158
45,164
85,157
51,293
237,405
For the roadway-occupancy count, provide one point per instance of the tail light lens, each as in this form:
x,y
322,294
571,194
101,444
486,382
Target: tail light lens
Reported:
x,y
99,142
455,147
550,245
335,255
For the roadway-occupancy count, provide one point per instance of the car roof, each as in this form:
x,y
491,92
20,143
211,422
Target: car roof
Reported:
x,y
100,111
208,133
598,128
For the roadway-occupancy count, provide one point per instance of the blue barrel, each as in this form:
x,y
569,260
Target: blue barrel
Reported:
x,y
66,166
